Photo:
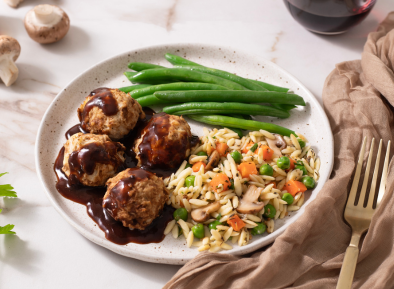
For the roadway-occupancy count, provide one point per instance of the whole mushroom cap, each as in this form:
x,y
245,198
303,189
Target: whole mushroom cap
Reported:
x,y
11,46
9,53
47,23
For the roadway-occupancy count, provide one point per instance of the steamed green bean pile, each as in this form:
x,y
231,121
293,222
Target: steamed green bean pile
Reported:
x,y
210,95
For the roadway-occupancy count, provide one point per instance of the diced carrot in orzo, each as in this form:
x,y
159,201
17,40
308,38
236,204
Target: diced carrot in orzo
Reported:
x,y
246,169
196,167
267,153
272,183
247,148
235,222
292,164
222,148
220,181
293,187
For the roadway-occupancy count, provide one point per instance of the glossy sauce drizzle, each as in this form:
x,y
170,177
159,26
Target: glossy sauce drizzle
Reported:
x,y
155,150
92,197
119,194
101,98
84,160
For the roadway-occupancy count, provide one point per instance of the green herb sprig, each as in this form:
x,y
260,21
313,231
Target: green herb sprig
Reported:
x,y
7,191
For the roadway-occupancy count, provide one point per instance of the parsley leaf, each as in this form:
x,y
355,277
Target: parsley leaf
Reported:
x,y
7,190
7,229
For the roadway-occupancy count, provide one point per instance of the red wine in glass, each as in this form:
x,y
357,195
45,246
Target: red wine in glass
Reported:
x,y
329,16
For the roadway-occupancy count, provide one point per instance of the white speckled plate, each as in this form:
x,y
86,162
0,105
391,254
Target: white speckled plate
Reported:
x,y
62,114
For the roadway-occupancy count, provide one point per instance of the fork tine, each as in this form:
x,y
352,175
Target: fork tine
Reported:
x,y
383,181
363,191
356,179
375,177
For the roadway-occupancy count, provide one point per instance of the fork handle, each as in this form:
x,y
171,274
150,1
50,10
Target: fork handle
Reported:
x,y
349,264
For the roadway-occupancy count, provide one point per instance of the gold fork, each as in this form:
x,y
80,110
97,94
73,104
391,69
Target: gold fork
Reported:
x,y
358,217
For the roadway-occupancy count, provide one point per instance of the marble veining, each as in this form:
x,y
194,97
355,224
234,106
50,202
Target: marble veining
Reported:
x,y
45,244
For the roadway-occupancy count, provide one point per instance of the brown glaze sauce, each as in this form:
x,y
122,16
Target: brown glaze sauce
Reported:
x,y
92,197
102,98
84,160
155,150
120,192
74,130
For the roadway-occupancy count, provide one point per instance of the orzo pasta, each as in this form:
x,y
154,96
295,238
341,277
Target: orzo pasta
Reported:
x,y
239,186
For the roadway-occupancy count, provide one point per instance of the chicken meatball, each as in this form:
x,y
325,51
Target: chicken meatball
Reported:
x,y
164,142
135,197
109,111
92,159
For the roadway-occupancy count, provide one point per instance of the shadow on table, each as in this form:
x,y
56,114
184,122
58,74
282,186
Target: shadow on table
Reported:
x,y
76,40
355,38
17,254
160,273
14,251
32,3
11,26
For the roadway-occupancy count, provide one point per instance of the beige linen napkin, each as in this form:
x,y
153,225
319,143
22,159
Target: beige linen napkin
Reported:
x,y
358,98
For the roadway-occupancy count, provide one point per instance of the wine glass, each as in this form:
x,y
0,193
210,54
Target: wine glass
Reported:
x,y
329,16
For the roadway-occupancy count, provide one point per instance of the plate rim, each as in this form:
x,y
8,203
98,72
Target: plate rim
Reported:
x,y
102,241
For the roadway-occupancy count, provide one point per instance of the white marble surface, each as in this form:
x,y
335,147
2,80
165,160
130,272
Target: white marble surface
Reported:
x,y
49,253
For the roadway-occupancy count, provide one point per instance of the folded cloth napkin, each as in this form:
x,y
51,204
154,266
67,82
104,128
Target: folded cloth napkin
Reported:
x,y
358,98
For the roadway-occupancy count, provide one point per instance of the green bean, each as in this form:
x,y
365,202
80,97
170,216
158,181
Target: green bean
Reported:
x,y
243,124
149,100
224,108
270,87
226,75
131,74
237,130
127,89
230,96
138,66
246,116
176,86
182,74
177,60
285,107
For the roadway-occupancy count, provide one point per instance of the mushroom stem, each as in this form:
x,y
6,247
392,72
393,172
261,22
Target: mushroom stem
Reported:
x,y
8,71
45,15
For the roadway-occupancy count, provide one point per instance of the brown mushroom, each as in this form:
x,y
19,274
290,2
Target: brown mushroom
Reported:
x,y
250,204
13,3
277,144
203,214
213,161
280,142
9,53
46,23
